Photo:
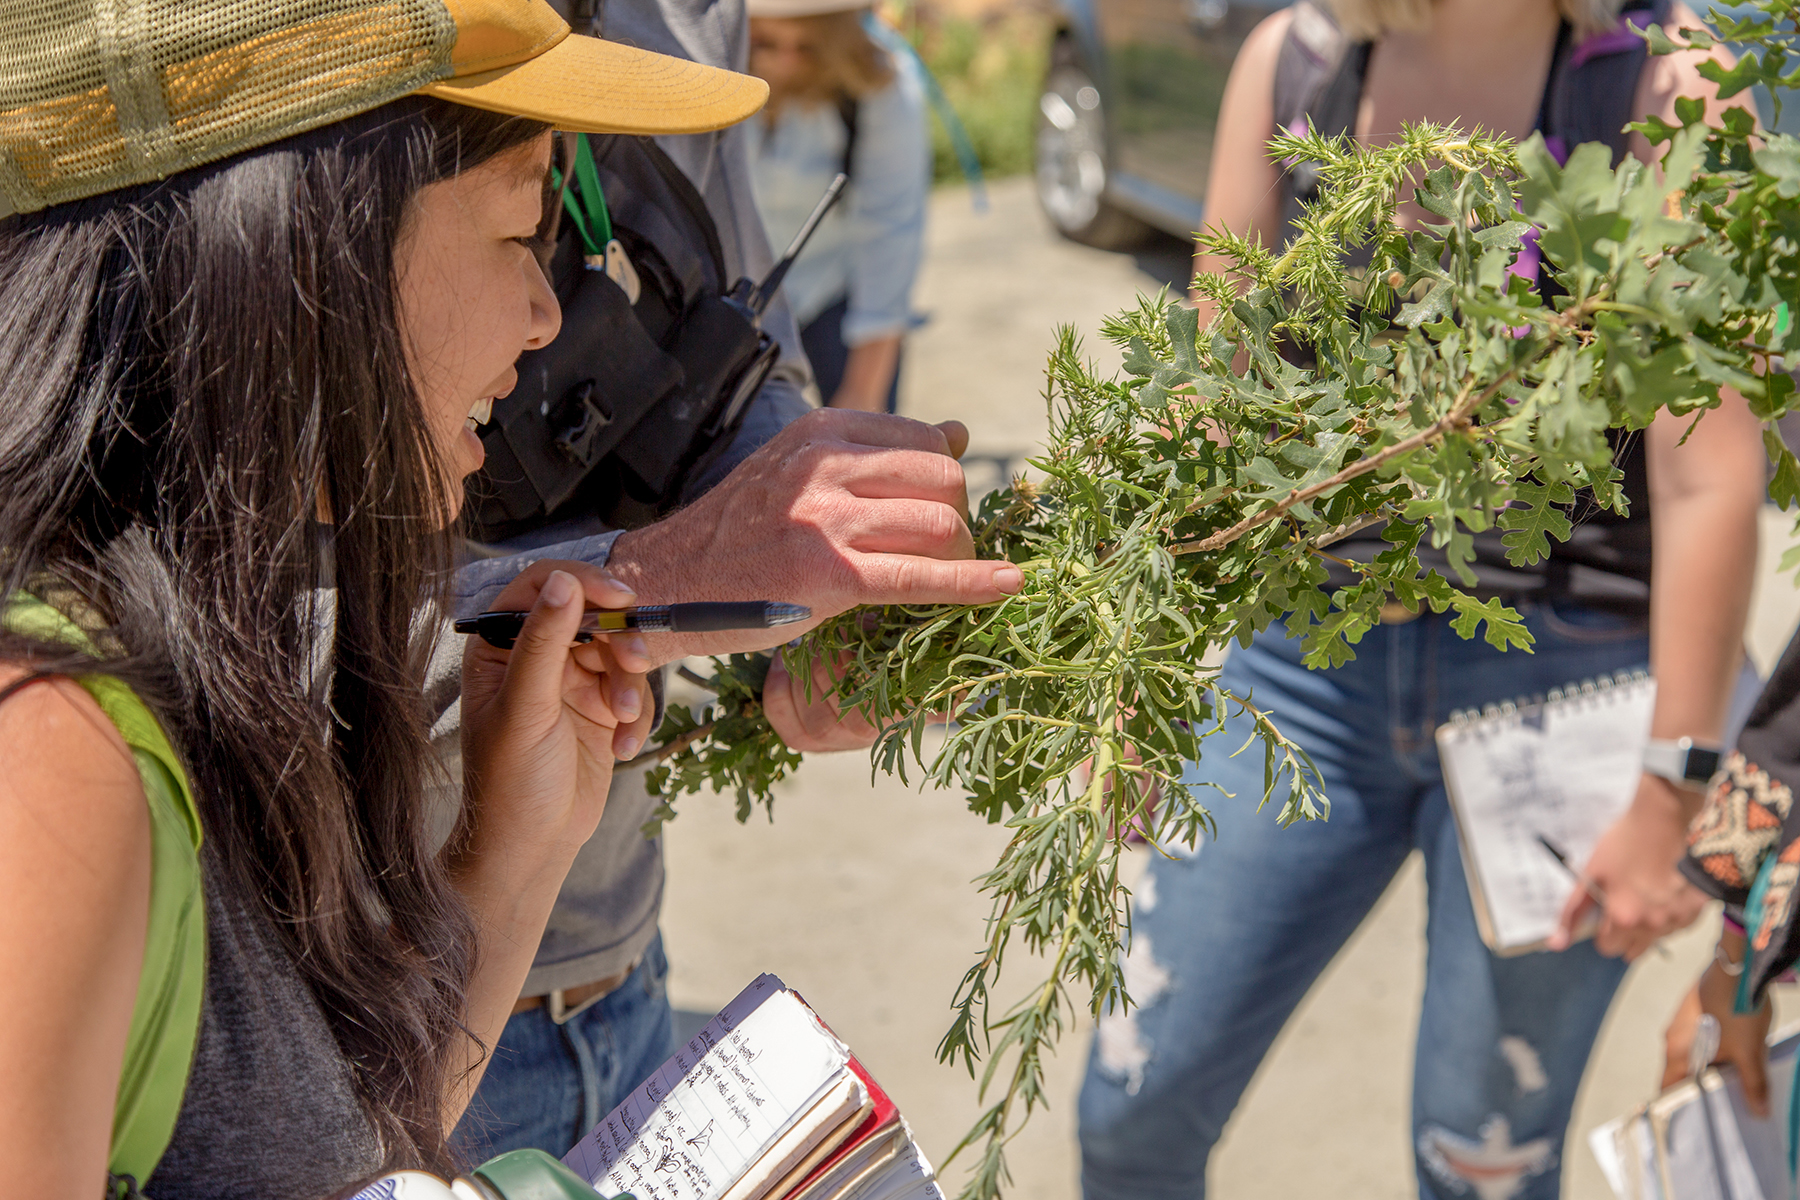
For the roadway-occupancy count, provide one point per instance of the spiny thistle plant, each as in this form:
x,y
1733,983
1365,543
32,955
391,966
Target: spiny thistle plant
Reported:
x,y
1194,497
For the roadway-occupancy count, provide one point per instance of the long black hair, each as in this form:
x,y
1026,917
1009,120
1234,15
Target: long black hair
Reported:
x,y
195,370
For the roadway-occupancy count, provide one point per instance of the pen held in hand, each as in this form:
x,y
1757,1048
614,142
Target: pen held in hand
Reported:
x,y
1562,860
1587,885
500,629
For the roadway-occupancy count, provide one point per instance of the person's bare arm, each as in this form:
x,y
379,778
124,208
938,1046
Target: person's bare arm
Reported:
x,y
541,729
1241,184
1704,499
840,509
868,375
75,888
1668,77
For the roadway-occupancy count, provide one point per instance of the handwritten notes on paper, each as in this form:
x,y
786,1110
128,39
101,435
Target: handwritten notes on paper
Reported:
x,y
1562,769
718,1105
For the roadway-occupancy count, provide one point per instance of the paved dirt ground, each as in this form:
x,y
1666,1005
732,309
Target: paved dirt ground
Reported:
x,y
858,893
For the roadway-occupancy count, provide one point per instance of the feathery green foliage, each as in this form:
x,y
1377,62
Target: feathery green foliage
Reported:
x,y
1194,497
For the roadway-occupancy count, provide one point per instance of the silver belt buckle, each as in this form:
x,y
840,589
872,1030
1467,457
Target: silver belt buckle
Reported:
x,y
562,1014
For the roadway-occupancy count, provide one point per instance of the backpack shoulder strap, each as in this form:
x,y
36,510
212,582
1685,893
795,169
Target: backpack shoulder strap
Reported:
x,y
1318,82
1594,80
165,1019
1309,59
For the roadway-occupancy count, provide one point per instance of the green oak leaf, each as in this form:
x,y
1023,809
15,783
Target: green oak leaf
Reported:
x,y
1505,631
1533,519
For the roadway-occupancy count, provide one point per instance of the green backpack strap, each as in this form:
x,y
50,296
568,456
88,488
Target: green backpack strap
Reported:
x,y
165,1020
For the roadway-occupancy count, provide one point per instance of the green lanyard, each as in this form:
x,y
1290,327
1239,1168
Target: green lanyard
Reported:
x,y
588,207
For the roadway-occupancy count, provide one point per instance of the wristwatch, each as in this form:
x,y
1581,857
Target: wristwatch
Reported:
x,y
1682,761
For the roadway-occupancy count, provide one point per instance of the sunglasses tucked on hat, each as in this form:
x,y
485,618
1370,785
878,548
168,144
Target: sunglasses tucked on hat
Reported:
x,y
102,94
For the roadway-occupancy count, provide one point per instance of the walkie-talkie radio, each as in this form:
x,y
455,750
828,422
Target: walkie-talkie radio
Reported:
x,y
657,361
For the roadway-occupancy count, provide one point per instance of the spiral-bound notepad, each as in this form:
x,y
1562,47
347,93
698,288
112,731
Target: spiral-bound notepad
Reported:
x,y
1561,766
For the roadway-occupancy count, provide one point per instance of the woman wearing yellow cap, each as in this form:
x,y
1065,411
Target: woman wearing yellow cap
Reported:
x,y
267,267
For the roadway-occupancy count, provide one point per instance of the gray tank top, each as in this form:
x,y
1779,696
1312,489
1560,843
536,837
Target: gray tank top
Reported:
x,y
269,1112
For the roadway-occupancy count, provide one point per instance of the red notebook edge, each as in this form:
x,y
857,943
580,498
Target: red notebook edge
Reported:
x,y
885,1109
884,1116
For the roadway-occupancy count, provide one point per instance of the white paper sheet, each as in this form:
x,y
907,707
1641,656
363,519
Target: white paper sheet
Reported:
x,y
696,1125
1562,770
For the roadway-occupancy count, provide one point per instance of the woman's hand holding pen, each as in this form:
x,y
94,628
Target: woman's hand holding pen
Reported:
x,y
544,722
1633,866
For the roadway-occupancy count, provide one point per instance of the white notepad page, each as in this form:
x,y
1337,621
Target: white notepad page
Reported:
x,y
1563,769
697,1124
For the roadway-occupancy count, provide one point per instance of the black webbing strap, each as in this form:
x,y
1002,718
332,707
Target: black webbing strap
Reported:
x,y
1591,101
1318,84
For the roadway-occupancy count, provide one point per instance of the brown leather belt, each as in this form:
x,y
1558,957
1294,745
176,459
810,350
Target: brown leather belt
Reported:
x,y
565,1003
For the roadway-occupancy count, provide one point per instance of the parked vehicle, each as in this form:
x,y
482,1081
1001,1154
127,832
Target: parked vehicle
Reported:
x,y
1125,120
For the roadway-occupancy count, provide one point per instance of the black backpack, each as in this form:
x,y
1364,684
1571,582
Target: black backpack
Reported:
x,y
632,399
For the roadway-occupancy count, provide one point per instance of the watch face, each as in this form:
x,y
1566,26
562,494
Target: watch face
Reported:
x,y
1701,764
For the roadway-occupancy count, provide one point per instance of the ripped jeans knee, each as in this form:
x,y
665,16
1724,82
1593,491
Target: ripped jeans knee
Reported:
x,y
1121,1049
1509,1154
1489,1166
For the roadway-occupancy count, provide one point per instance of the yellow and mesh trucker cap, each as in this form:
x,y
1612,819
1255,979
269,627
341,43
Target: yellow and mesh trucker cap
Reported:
x,y
101,94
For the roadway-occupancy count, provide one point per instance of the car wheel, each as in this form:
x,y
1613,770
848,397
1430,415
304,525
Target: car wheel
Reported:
x,y
1071,159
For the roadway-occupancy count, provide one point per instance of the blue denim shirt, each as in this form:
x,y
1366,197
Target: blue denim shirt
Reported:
x,y
868,248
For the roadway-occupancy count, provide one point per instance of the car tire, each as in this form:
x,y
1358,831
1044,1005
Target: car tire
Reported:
x,y
1071,158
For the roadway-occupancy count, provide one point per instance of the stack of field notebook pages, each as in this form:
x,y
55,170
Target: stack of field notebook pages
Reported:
x,y
765,1103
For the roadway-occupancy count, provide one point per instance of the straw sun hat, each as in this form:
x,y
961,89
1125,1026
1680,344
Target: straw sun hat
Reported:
x,y
101,94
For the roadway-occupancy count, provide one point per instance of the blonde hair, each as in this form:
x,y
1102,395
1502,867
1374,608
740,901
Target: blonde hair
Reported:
x,y
1367,20
848,62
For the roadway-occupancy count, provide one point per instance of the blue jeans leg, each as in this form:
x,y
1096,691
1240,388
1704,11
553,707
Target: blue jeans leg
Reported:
x,y
1227,940
548,1084
1502,1043
823,340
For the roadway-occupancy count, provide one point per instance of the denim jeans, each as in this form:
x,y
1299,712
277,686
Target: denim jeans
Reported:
x,y
1227,939
823,338
548,1084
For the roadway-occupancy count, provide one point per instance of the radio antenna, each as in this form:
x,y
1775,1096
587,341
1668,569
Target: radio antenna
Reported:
x,y
759,299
